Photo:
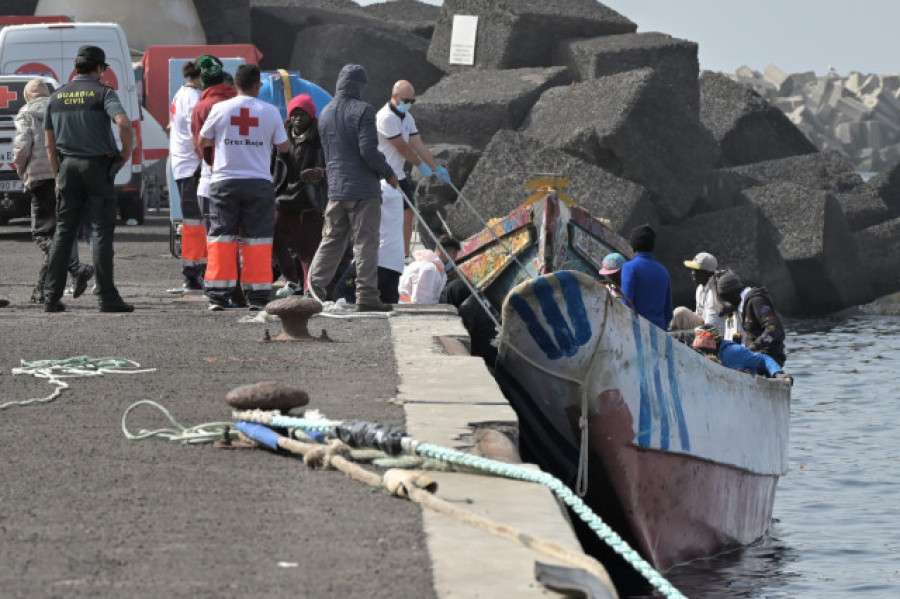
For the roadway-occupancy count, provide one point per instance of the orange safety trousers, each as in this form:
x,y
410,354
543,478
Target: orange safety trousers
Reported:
x,y
241,227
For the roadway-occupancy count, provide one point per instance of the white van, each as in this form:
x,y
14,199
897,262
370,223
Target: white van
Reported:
x,y
50,49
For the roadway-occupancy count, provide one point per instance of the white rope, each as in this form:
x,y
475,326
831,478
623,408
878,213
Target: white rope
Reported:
x,y
201,433
77,367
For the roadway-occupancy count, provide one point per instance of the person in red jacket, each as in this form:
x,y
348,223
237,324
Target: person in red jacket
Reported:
x,y
215,89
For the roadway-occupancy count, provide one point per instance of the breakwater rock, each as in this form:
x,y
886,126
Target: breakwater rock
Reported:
x,y
758,168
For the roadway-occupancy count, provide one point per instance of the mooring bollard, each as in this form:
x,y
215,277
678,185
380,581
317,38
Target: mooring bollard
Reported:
x,y
267,395
294,313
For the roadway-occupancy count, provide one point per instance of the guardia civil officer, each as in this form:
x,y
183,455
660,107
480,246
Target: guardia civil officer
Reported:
x,y
84,159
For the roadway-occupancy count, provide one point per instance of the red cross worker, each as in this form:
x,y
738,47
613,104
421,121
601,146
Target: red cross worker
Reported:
x,y
242,199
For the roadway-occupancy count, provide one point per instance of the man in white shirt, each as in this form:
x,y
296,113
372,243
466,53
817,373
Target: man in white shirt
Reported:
x,y
399,141
184,162
708,305
242,198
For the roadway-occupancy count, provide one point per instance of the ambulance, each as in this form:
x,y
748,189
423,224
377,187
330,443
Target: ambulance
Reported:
x,y
50,49
15,202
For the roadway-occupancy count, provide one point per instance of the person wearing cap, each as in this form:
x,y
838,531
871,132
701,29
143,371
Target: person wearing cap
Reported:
x,y
84,159
184,163
645,282
350,139
611,271
301,193
399,141
750,312
708,305
33,167
708,341
243,130
216,88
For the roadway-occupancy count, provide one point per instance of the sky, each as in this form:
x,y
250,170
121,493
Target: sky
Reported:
x,y
794,35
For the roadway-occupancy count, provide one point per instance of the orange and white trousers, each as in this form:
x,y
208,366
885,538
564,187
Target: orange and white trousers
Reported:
x,y
241,227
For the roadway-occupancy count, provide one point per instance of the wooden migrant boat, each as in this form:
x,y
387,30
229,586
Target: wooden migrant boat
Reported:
x,y
678,454
538,237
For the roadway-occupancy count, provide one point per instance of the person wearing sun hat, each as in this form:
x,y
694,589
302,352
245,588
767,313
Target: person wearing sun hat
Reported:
x,y
708,305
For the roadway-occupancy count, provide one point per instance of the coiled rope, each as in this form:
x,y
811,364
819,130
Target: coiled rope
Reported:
x,y
76,367
201,433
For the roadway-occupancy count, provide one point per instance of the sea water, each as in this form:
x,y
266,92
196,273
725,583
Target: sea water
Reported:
x,y
836,528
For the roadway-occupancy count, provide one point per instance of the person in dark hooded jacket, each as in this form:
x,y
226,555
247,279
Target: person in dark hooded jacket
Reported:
x,y
354,167
762,330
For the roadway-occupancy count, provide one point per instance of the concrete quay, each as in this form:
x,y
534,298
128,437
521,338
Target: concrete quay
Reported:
x,y
89,513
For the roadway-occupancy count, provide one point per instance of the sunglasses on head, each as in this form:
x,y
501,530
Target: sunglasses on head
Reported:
x,y
407,100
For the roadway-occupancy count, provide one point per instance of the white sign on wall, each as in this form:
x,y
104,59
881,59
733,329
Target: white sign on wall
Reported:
x,y
462,39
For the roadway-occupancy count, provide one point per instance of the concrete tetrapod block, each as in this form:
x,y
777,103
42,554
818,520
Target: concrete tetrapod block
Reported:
x,y
878,249
628,125
495,187
519,34
863,209
741,240
887,185
827,171
816,244
747,128
468,108
723,189
675,59
413,16
224,21
274,29
321,52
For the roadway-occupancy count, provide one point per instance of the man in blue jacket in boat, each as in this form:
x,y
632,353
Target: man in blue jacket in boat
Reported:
x,y
708,341
645,282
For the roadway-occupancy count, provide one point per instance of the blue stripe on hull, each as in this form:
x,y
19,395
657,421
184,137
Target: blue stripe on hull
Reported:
x,y
569,338
645,418
661,398
676,395
571,290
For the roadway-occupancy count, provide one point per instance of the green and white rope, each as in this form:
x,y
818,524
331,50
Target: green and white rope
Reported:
x,y
76,367
512,471
201,433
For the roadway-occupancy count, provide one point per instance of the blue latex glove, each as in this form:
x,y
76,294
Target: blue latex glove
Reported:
x,y
442,174
425,170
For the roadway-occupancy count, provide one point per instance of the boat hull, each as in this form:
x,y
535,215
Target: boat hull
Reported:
x,y
682,455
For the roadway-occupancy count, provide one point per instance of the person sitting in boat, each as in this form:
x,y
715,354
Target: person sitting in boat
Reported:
x,y
751,317
645,282
708,341
423,279
708,305
612,276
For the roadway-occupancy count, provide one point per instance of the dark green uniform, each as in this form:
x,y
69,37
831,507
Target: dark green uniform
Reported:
x,y
79,114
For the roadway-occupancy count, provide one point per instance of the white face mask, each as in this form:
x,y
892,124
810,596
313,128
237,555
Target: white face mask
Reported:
x,y
404,107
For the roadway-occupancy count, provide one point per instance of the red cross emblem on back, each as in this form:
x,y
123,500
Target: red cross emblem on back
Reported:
x,y
6,96
245,121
